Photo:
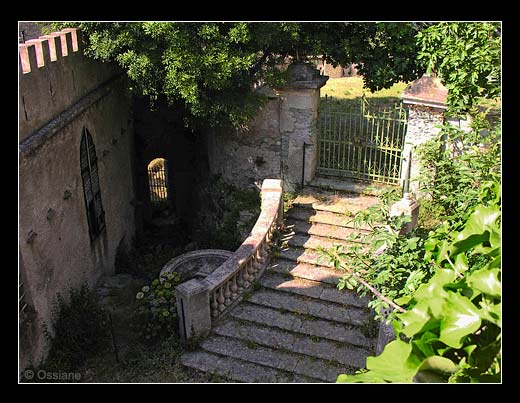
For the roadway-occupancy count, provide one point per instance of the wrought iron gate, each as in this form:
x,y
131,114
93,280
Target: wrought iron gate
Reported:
x,y
157,181
364,142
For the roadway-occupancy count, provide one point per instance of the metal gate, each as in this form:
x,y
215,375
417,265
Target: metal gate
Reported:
x,y
157,181
361,142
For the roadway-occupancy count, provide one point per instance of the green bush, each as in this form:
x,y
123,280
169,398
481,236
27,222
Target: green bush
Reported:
x,y
156,312
444,282
80,328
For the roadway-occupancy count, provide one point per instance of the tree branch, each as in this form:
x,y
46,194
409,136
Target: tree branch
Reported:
x,y
368,286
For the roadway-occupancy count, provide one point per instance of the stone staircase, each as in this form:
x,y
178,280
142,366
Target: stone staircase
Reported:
x,y
295,325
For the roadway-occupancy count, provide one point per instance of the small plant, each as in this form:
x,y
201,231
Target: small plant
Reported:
x,y
80,328
156,312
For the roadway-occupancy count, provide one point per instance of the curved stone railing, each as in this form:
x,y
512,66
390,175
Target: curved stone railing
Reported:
x,y
200,302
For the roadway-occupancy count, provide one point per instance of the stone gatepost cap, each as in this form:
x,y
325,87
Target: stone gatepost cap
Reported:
x,y
305,76
427,90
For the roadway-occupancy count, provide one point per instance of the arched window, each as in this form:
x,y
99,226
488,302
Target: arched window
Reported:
x,y
158,183
89,174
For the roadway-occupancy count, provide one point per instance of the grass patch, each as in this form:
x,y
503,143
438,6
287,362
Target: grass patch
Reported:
x,y
347,92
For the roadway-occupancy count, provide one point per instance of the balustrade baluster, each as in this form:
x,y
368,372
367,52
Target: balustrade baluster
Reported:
x,y
227,293
245,275
234,287
240,280
251,269
221,300
214,304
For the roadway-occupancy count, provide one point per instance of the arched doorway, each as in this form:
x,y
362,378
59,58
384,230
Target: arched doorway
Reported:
x,y
158,185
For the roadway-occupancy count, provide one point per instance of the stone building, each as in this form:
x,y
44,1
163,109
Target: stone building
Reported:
x,y
76,184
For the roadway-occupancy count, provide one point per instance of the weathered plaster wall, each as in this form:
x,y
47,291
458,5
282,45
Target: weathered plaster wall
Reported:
x,y
246,158
273,147
56,252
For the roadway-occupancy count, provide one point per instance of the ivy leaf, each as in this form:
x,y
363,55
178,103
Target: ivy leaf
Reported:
x,y
434,292
439,364
394,364
492,313
481,223
461,318
425,343
461,263
414,319
486,281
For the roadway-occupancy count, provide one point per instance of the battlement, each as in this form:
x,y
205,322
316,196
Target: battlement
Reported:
x,y
54,74
37,53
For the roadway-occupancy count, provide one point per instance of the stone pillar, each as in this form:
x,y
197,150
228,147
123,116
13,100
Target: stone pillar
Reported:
x,y
426,102
193,309
298,118
407,206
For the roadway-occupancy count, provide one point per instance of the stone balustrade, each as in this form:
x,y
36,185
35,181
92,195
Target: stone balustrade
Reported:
x,y
200,302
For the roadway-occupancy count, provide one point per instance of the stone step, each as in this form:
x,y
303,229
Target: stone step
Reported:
x,y
333,201
312,289
308,256
324,217
290,268
300,304
349,186
341,353
323,230
303,324
251,352
316,242
238,370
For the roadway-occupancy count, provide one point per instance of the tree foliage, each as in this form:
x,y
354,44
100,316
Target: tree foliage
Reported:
x,y
210,68
467,58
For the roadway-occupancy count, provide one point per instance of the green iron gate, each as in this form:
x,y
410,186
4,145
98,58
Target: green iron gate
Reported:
x,y
363,142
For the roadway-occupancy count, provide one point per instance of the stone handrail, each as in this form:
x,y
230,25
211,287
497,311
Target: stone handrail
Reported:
x,y
200,302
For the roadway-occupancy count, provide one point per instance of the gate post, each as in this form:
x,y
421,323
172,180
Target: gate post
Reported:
x,y
426,102
298,123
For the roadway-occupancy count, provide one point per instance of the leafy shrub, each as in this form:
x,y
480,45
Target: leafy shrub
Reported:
x,y
452,328
80,328
156,313
392,264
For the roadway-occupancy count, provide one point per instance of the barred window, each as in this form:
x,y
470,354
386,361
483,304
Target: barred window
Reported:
x,y
89,175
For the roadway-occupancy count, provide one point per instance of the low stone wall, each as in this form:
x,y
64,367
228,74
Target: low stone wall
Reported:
x,y
201,302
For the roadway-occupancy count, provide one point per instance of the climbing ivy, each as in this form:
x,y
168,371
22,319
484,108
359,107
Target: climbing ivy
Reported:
x,y
451,330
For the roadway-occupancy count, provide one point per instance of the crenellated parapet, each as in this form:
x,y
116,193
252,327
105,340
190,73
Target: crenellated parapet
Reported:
x,y
37,53
54,76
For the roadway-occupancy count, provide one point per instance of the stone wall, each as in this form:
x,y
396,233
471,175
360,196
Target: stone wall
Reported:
x,y
274,145
58,100
246,158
